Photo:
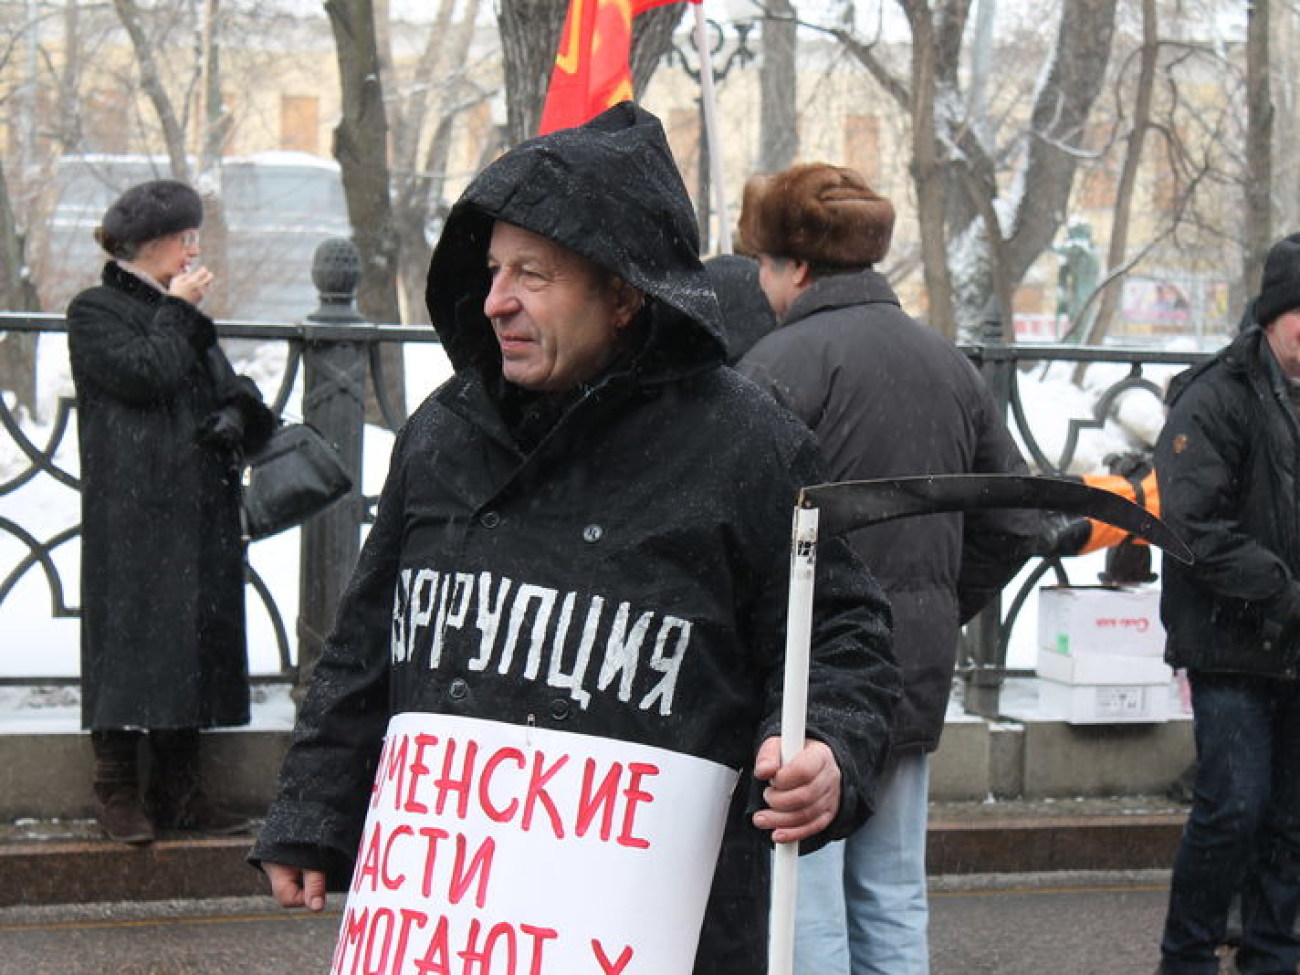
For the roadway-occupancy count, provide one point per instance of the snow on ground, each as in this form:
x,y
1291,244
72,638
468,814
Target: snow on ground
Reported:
x,y
37,644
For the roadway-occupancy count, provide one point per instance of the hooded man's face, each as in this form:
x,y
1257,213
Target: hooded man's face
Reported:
x,y
556,316
1284,338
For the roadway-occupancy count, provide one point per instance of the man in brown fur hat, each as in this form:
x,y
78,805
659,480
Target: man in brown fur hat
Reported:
x,y
887,397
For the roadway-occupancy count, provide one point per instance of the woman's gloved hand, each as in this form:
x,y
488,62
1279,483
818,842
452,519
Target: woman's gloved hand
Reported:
x,y
223,430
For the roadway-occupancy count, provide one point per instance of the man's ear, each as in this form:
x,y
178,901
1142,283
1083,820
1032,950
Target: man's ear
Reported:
x,y
627,303
802,274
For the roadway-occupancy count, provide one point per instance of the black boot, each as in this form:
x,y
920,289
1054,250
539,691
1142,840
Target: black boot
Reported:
x,y
117,787
176,797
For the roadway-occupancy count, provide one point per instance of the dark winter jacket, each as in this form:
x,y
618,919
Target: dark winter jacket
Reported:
x,y
1227,461
889,397
665,488
162,578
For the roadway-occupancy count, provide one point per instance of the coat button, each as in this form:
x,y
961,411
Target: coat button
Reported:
x,y
489,519
560,709
592,533
457,689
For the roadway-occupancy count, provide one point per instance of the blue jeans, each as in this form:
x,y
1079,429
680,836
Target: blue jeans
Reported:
x,y
861,904
1243,832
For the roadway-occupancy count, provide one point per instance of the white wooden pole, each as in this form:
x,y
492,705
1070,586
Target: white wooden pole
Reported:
x,y
708,102
794,713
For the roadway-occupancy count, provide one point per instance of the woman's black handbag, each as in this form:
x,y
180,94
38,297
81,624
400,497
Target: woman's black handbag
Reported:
x,y
297,474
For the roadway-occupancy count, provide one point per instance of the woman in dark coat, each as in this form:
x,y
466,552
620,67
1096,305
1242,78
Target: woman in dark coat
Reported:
x,y
163,419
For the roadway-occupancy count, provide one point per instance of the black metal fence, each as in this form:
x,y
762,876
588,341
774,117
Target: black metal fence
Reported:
x,y
332,357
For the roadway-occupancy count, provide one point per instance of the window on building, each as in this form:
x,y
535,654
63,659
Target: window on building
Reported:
x,y
105,126
1097,186
862,146
1167,185
300,123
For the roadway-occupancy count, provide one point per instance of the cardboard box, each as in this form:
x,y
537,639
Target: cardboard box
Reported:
x,y
1104,703
1077,620
1103,668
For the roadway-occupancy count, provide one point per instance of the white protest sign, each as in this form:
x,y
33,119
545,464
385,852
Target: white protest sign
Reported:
x,y
497,849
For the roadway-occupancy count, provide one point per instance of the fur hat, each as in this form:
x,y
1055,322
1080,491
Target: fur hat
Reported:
x,y
148,211
818,213
1279,288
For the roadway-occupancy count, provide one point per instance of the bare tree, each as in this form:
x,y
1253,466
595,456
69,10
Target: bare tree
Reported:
x,y
151,80
202,91
361,147
778,135
17,293
1259,145
1117,249
440,87
977,241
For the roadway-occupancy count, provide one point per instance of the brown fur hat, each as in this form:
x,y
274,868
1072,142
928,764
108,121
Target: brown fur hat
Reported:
x,y
818,213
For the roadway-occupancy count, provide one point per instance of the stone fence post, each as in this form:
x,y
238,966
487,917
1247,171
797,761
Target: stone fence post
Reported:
x,y
982,643
334,377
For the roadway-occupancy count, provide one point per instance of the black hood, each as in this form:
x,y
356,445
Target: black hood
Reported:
x,y
608,190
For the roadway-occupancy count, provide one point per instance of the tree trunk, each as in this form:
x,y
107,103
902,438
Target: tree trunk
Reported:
x,y
530,34
1259,148
417,182
216,232
927,171
1113,285
779,134
652,39
361,148
957,193
17,349
1060,114
150,79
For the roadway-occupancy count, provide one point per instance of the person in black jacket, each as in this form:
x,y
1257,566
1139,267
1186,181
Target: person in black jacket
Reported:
x,y
746,314
162,421
1227,461
886,397
592,454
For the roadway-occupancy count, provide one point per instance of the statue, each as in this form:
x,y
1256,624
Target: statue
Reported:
x,y
1076,280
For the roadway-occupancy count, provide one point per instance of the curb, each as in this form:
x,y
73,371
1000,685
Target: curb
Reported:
x,y
92,871
76,871
1055,843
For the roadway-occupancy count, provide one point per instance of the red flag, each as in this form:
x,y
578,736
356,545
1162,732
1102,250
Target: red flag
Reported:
x,y
591,66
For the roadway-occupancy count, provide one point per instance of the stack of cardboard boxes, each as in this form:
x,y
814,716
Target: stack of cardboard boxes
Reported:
x,y
1101,654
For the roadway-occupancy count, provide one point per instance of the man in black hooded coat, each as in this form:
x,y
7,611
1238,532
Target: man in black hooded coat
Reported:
x,y
663,484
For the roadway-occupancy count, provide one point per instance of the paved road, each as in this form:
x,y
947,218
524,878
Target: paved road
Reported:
x,y
1066,925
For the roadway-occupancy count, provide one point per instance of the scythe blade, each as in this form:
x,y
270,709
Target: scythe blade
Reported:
x,y
848,505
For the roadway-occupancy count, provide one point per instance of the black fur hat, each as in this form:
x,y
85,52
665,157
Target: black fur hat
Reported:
x,y
148,211
1279,288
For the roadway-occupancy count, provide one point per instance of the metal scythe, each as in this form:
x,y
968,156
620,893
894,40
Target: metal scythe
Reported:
x,y
833,509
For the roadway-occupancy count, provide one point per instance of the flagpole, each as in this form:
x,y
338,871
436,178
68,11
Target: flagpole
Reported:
x,y
710,106
794,708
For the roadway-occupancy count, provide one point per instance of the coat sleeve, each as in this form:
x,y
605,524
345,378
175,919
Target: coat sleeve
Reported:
x,y
853,679
994,544
1200,458
238,395
133,364
317,816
